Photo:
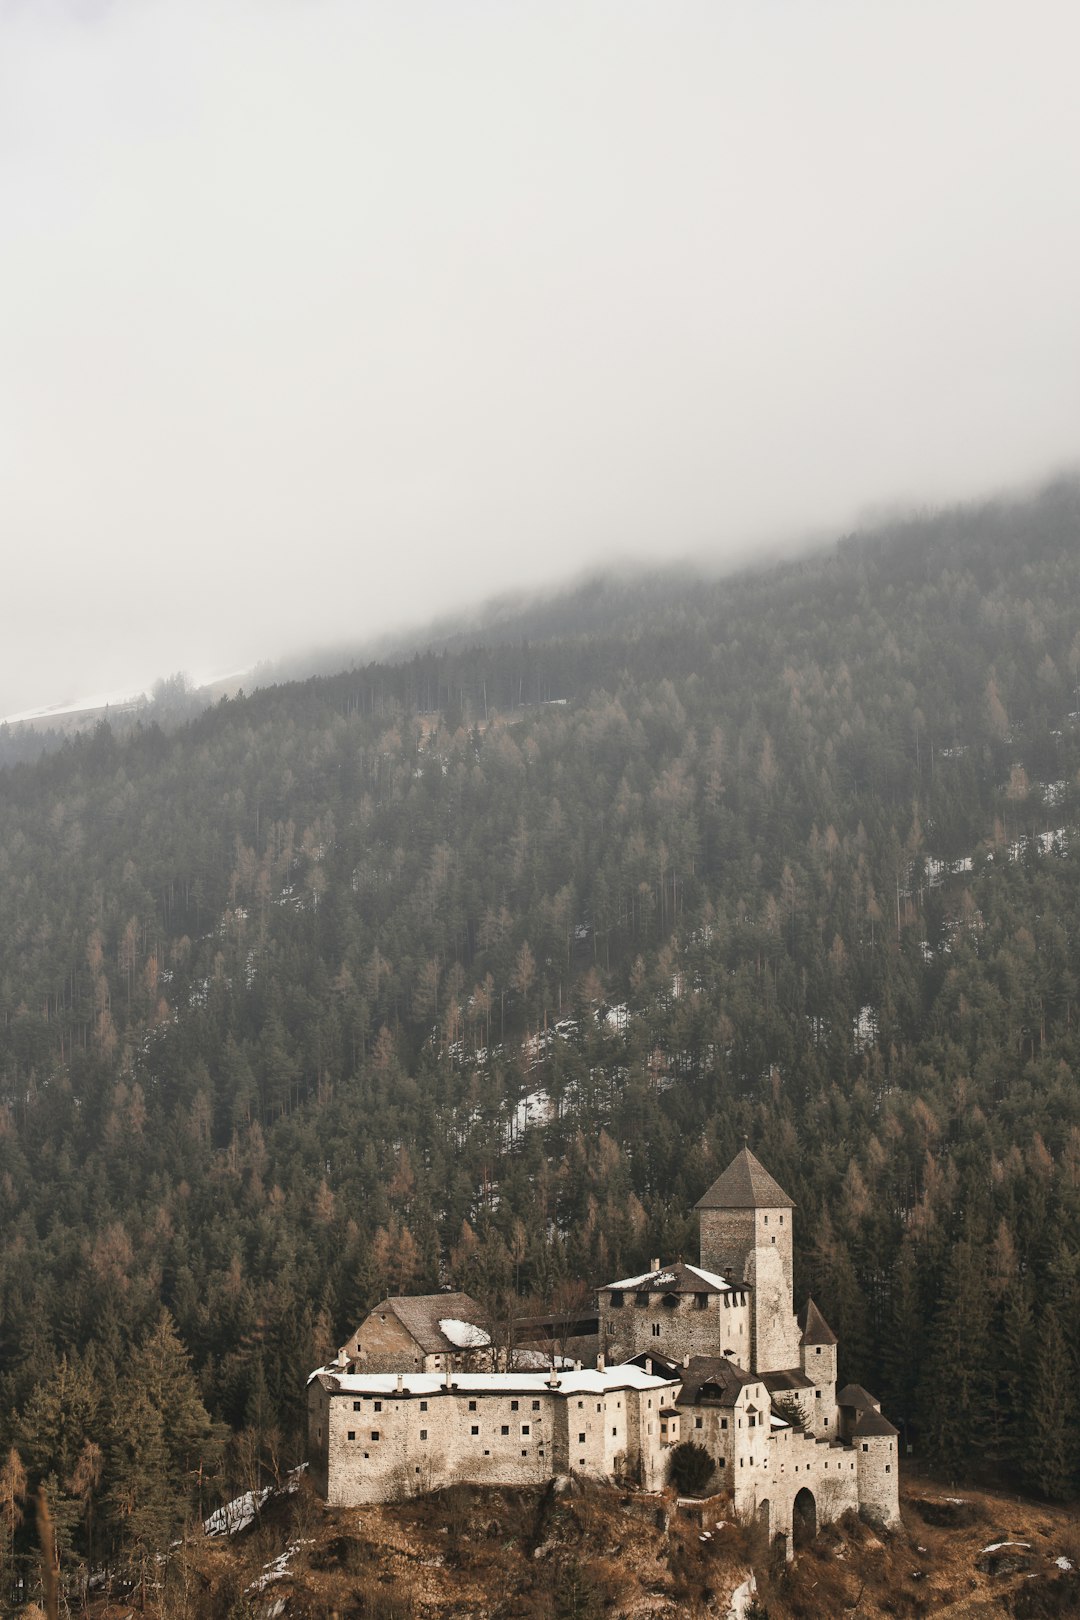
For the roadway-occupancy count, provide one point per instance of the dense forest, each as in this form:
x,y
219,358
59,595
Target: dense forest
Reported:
x,y
474,968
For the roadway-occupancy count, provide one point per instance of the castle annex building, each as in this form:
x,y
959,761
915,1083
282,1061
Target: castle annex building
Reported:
x,y
714,1354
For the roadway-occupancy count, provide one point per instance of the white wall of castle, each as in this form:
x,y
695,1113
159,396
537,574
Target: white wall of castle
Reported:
x,y
371,1442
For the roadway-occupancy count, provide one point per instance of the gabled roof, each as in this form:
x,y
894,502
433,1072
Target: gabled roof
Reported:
x,y
854,1395
745,1184
420,1315
718,1377
778,1383
815,1329
676,1279
658,1363
872,1423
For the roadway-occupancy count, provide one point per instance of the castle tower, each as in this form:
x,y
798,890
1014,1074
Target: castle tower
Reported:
x,y
818,1349
746,1236
875,1443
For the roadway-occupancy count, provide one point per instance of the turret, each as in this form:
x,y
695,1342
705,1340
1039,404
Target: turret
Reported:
x,y
874,1440
817,1348
746,1235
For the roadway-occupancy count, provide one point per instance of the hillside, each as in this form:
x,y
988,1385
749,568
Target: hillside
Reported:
x,y
586,1553
474,968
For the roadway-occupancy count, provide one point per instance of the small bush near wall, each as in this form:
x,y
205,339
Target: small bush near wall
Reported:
x,y
690,1468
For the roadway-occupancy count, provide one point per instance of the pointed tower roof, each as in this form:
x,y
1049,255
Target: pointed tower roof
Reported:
x,y
745,1184
815,1329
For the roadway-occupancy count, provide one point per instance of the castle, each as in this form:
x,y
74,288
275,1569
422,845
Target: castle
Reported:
x,y
713,1354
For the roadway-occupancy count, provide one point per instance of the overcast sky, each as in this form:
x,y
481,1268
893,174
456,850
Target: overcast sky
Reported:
x,y
318,316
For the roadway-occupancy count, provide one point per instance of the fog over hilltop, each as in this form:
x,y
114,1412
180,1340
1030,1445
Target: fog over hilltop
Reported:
x,y
324,319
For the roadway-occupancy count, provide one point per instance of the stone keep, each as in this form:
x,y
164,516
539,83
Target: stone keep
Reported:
x,y
746,1236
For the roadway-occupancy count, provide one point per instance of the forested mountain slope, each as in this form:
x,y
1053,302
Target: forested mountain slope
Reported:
x,y
475,968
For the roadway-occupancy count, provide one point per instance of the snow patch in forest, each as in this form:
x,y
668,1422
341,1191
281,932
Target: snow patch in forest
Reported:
x,y
535,1109
865,1028
236,1515
278,1568
741,1599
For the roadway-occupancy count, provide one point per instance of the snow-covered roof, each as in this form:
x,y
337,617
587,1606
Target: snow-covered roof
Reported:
x,y
463,1335
677,1278
585,1381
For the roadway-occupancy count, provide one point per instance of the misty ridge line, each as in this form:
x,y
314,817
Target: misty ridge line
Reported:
x,y
586,603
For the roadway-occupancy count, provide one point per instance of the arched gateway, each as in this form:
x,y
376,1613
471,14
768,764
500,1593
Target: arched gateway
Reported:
x,y
803,1518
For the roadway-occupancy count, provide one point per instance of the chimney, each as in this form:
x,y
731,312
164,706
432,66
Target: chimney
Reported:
x,y
686,1359
601,1364
342,1357
577,1366
400,1383
553,1377
648,1366
448,1380
654,1265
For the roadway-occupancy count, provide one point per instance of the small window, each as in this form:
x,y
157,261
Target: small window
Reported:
x,y
865,1446
352,1434
505,1429
817,1350
472,1406
582,1403
616,1299
581,1440
656,1330
723,1423
614,1432
378,1406
642,1301
701,1301
475,1429
374,1434
524,1428
423,1434
513,1406
536,1406
888,1468
721,1462
423,1406
699,1423
356,1406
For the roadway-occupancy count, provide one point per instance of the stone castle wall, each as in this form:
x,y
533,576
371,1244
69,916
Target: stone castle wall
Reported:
x,y
721,1327
375,1447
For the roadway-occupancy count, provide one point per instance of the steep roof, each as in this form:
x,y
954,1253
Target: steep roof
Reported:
x,y
854,1395
717,1377
815,1329
676,1279
420,1315
872,1423
777,1383
745,1184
